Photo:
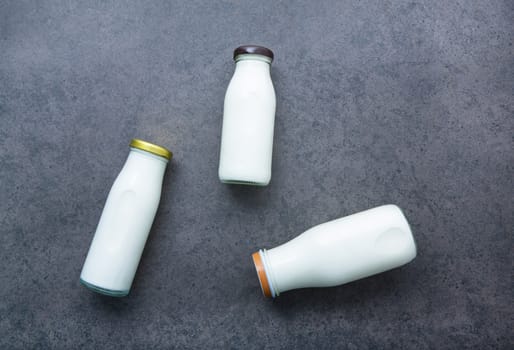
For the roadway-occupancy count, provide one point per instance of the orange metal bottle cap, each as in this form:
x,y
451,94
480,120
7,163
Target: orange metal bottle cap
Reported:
x,y
261,273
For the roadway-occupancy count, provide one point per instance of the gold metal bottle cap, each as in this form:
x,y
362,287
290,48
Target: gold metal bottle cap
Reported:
x,y
150,147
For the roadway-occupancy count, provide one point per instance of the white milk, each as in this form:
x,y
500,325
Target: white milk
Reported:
x,y
338,252
126,220
248,120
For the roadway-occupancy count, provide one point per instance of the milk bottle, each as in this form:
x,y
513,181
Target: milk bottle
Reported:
x,y
248,119
338,252
126,220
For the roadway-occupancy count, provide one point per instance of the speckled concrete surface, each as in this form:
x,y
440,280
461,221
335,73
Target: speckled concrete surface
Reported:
x,y
378,102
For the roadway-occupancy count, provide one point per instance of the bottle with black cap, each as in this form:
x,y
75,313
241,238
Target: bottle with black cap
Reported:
x,y
248,119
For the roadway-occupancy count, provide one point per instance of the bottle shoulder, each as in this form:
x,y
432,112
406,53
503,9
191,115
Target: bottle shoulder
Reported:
x,y
248,85
141,181
251,78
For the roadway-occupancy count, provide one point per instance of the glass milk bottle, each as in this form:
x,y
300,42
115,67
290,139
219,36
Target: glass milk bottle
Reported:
x,y
248,119
126,220
338,252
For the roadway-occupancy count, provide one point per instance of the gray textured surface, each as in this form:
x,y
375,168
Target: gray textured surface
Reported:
x,y
378,102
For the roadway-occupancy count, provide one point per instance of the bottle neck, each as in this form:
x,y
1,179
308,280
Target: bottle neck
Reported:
x,y
253,63
149,155
146,163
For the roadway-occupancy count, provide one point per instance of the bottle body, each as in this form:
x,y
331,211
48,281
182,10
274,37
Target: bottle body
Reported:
x,y
340,251
124,225
248,123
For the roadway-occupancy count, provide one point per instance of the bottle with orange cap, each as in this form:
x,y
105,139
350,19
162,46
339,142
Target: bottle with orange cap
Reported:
x,y
127,217
338,252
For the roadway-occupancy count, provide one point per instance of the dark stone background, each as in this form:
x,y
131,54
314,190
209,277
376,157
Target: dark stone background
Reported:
x,y
378,102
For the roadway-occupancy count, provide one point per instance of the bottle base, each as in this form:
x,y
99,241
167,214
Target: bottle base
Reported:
x,y
105,291
248,183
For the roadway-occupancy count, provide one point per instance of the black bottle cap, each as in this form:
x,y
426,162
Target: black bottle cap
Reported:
x,y
253,49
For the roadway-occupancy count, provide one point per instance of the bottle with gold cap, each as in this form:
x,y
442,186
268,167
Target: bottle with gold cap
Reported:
x,y
127,217
338,252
